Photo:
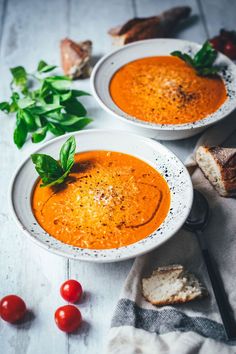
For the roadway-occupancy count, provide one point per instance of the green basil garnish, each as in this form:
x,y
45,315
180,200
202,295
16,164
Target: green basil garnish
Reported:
x,y
51,171
202,61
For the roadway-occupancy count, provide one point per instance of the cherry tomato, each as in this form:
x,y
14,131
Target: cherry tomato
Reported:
x,y
68,318
230,50
12,308
217,43
71,291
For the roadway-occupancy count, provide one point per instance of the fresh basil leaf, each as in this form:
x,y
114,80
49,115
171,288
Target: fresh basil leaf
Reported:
x,y
43,67
20,132
61,85
65,96
56,100
13,107
69,119
25,102
14,104
29,120
206,56
78,126
56,181
19,76
203,60
177,53
51,171
67,153
5,107
40,134
188,59
58,78
47,167
45,89
55,129
73,106
35,94
51,107
207,71
55,116
79,93
15,97
185,57
45,108
38,121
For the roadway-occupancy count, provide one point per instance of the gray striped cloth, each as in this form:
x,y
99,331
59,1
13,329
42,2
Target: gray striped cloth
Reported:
x,y
138,327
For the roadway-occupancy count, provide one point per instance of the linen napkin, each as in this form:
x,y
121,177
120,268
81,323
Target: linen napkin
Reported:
x,y
137,326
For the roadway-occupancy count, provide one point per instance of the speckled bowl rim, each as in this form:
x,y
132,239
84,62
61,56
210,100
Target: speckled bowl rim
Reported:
x,y
178,179
97,87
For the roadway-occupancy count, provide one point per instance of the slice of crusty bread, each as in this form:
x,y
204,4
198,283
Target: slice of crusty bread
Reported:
x,y
75,58
159,26
171,285
219,165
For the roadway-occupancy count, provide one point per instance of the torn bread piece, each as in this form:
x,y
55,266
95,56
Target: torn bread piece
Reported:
x,y
159,26
75,58
219,166
172,285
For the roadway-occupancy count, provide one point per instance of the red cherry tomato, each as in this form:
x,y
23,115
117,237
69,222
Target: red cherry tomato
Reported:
x,y
230,50
217,43
12,308
71,291
68,318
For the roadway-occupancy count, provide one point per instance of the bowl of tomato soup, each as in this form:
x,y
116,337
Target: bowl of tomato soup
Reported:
x,y
159,95
125,195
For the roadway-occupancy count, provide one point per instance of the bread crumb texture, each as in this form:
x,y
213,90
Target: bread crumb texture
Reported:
x,y
171,285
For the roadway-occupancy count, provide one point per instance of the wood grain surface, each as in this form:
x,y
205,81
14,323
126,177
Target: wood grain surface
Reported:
x,y
29,31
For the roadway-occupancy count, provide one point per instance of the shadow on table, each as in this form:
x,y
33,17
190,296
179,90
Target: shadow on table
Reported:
x,y
25,323
191,21
82,330
95,59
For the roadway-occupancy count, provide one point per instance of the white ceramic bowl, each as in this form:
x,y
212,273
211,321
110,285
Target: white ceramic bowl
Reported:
x,y
148,150
108,65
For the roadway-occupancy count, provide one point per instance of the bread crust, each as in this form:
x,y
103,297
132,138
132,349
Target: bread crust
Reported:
x,y
159,26
198,291
75,58
225,161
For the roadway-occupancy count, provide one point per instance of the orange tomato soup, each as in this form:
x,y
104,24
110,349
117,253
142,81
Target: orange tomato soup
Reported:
x,y
110,200
165,90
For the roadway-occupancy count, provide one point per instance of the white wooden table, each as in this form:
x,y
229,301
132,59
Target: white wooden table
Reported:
x,y
29,31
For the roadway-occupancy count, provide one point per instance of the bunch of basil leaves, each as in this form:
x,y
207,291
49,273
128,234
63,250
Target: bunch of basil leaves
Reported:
x,y
51,171
52,107
202,61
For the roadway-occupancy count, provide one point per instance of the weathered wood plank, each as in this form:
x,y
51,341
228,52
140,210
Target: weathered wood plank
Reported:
x,y
218,14
3,5
93,19
30,32
102,282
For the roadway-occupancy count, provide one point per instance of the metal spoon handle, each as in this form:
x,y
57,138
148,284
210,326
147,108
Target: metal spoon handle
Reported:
x,y
221,297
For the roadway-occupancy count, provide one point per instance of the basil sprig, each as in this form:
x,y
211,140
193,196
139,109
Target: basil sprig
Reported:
x,y
202,61
50,170
51,107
